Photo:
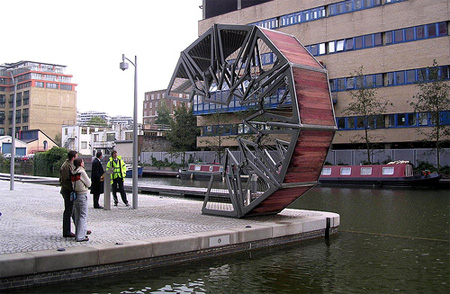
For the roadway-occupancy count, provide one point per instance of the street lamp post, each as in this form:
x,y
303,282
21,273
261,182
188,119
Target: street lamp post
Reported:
x,y
13,135
124,66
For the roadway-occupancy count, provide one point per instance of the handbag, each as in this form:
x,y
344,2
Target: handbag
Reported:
x,y
73,196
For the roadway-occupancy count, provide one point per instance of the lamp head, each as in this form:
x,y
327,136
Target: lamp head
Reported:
x,y
123,65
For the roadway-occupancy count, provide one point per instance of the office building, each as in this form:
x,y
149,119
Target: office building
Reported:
x,y
393,41
46,98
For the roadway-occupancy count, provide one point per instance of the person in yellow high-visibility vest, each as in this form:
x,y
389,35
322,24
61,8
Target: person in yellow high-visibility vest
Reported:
x,y
119,171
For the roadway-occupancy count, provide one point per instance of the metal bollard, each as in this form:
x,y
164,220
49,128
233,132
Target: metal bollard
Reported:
x,y
107,190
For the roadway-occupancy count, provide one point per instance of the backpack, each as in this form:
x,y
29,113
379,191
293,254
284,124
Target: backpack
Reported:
x,y
74,178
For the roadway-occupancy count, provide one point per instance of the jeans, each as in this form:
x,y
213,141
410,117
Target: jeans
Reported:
x,y
68,212
80,212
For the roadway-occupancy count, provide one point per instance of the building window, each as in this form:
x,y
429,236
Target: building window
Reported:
x,y
410,76
398,36
52,85
110,137
2,101
431,30
400,77
39,84
26,97
401,120
412,119
423,119
65,87
409,34
420,32
359,42
83,145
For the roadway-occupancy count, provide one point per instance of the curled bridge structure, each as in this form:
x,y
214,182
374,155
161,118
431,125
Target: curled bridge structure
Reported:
x,y
288,121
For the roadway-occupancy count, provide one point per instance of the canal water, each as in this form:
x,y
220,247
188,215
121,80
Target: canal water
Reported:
x,y
389,241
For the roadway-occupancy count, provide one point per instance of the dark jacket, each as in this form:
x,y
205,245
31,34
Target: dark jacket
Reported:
x,y
96,174
64,175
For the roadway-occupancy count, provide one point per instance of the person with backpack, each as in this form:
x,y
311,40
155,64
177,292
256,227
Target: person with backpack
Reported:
x,y
119,171
81,184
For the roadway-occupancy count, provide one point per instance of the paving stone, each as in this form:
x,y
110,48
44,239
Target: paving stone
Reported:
x,y
31,219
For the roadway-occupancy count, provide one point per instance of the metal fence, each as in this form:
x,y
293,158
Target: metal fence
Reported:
x,y
335,157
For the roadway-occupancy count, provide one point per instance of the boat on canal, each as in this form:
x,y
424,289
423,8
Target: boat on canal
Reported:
x,y
201,171
396,174
130,171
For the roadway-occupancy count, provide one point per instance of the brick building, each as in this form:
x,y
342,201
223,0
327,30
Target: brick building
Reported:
x,y
153,101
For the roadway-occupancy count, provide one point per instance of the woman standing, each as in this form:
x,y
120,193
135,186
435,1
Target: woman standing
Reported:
x,y
80,183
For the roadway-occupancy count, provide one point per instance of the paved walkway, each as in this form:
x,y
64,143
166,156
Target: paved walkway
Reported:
x,y
31,219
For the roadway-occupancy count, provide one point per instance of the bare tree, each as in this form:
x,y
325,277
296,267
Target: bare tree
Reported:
x,y
367,106
433,101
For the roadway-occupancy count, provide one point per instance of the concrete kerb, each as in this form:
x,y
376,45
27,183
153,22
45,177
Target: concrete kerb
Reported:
x,y
36,262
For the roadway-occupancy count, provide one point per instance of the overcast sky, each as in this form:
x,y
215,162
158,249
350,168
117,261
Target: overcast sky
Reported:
x,y
89,37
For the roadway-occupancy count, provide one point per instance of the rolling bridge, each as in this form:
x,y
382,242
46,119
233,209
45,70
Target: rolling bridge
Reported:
x,y
284,157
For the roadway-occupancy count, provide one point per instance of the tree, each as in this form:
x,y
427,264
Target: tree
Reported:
x,y
163,117
97,121
433,101
49,162
367,107
184,131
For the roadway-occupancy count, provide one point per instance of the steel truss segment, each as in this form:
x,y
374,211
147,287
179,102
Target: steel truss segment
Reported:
x,y
257,162
193,75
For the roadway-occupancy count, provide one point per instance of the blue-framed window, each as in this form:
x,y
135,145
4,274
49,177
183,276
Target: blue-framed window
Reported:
x,y
395,120
409,34
225,130
201,107
392,1
351,5
334,9
396,78
267,24
302,16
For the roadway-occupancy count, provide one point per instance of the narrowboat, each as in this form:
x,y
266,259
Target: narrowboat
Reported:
x,y
400,174
201,171
130,171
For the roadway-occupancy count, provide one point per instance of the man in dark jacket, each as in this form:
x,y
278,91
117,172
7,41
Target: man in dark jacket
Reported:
x,y
66,187
97,178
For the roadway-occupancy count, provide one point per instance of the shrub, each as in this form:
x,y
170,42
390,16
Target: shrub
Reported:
x,y
424,166
50,161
